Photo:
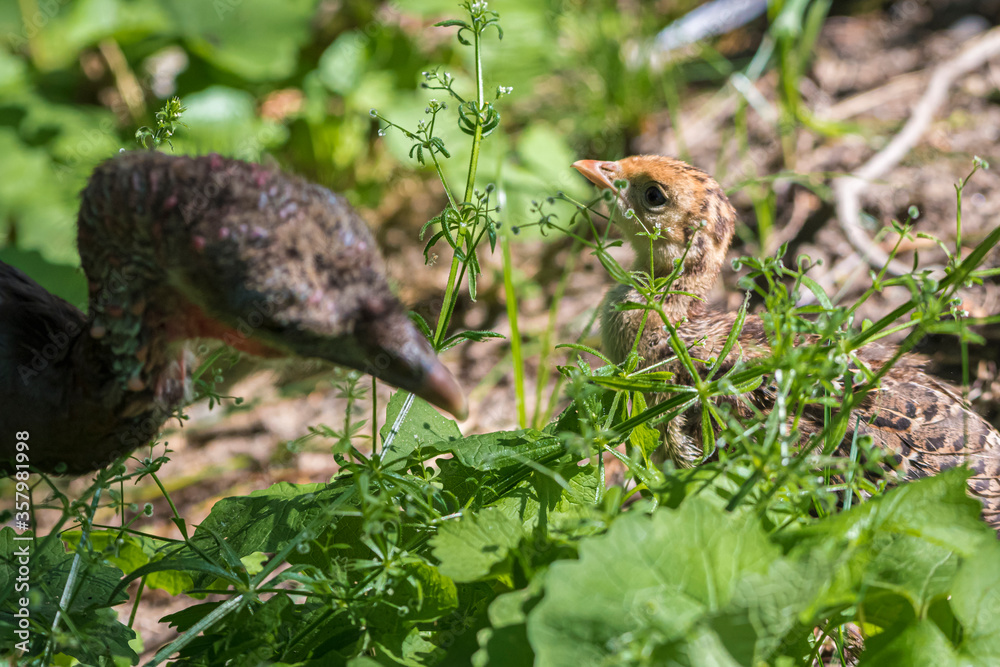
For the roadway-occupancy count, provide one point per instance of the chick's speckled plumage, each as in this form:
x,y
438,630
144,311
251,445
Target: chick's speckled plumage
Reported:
x,y
921,421
176,248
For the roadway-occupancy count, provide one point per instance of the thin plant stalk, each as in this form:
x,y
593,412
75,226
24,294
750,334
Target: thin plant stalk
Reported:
x,y
515,334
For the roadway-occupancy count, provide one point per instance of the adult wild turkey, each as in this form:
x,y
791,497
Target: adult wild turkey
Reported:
x,y
176,248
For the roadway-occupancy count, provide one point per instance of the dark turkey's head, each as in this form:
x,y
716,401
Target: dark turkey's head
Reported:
x,y
267,262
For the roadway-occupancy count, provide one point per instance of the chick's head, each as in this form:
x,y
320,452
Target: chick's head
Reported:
x,y
664,205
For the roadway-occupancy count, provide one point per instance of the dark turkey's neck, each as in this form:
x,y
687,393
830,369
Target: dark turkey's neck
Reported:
x,y
136,343
72,391
108,414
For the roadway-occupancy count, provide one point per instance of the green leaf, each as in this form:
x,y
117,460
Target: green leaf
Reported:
x,y
489,467
474,547
893,560
505,642
185,618
128,552
501,450
475,336
553,498
921,644
265,519
936,510
195,564
422,594
342,64
975,601
421,323
406,646
645,382
643,437
588,350
90,630
421,426
257,40
695,586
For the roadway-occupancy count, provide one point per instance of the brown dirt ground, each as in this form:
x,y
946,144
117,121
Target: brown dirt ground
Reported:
x,y
869,70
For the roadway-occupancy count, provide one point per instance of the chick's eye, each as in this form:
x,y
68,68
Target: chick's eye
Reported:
x,y
654,196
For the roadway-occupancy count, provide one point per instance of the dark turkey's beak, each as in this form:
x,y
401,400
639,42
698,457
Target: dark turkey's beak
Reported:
x,y
440,388
384,344
394,350
600,173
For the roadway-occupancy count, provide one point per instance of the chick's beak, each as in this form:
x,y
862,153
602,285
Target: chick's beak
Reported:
x,y
601,173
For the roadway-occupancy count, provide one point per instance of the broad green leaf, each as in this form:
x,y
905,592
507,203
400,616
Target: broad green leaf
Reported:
x,y
342,64
653,586
129,552
921,644
505,642
555,497
419,593
975,601
501,450
489,466
429,593
421,427
257,40
267,519
901,549
472,547
93,631
408,647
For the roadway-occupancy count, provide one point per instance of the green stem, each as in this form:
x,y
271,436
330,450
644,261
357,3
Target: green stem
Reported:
x,y
448,306
444,182
958,221
515,334
178,519
539,418
69,589
474,156
374,419
135,604
451,293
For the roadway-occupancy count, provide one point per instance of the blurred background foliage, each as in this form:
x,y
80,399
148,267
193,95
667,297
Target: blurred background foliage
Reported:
x,y
293,81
